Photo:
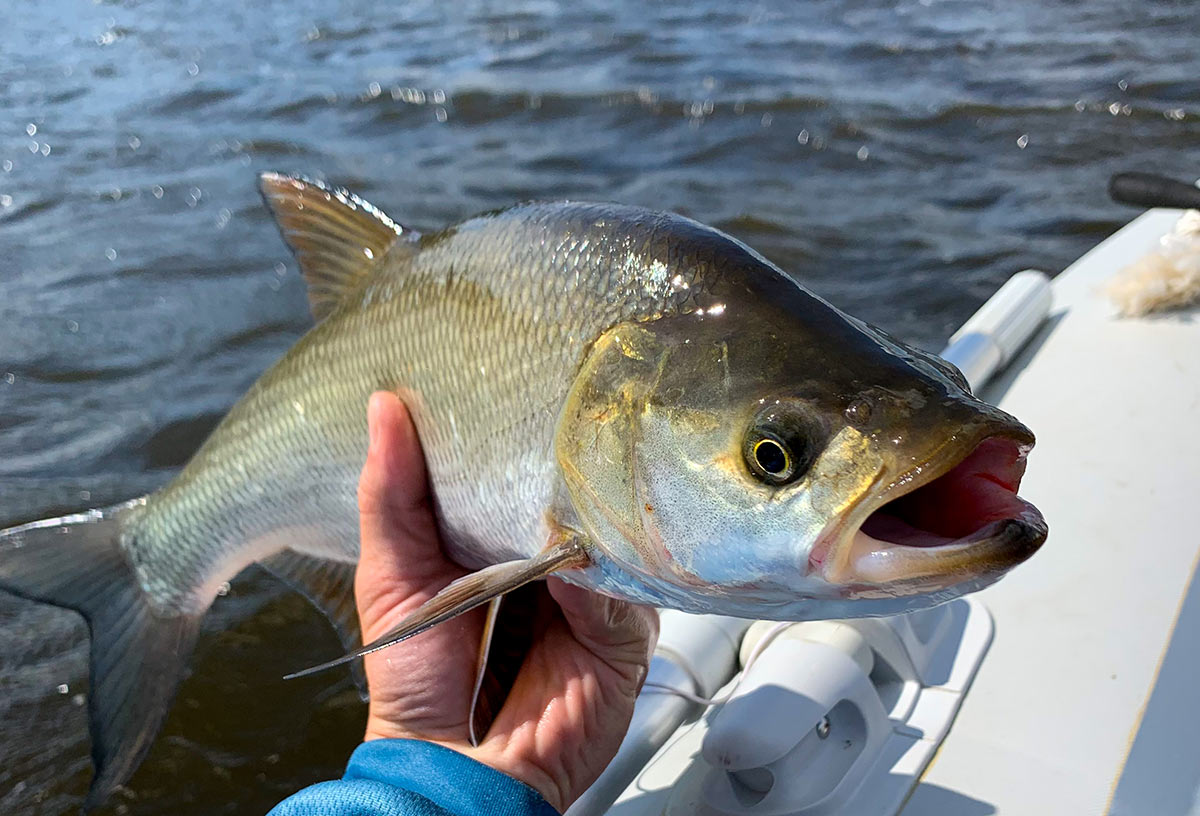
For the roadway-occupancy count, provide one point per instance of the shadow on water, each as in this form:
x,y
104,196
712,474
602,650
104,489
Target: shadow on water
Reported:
x,y
252,637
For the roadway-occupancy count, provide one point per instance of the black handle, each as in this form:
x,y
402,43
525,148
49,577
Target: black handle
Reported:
x,y
1149,190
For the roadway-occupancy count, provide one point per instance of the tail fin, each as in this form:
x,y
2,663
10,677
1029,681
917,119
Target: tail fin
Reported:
x,y
138,654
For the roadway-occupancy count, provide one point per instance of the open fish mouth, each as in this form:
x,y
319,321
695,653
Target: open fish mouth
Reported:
x,y
968,522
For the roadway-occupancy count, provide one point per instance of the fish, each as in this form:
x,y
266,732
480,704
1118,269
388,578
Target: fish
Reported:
x,y
628,399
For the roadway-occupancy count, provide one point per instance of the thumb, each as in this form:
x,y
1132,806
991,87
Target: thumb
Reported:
x,y
393,494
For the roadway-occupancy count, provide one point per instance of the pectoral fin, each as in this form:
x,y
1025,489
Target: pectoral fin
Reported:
x,y
507,636
467,593
480,717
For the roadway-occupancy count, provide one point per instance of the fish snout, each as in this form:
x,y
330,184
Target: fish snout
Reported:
x,y
949,517
989,421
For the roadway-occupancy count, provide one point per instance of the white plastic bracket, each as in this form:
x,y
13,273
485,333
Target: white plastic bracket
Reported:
x,y
833,717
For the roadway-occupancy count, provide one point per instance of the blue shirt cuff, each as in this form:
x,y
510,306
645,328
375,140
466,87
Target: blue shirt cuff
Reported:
x,y
403,777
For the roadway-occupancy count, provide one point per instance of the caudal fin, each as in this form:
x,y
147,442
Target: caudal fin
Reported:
x,y
137,653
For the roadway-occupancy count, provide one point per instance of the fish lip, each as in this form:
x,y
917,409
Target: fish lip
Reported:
x,y
838,556
986,554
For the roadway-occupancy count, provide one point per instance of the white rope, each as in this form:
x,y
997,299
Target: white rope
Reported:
x,y
760,647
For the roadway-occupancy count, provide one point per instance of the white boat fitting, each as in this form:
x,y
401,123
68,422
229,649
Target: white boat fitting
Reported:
x,y
1082,702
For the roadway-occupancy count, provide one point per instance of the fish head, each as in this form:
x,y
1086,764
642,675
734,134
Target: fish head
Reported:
x,y
764,454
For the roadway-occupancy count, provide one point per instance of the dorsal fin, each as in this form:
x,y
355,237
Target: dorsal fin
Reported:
x,y
336,236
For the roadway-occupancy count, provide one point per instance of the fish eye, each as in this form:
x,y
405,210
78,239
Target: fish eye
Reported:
x,y
776,448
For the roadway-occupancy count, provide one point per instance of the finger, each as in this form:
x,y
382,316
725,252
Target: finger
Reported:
x,y
614,631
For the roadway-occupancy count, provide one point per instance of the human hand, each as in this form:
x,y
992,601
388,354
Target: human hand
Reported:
x,y
573,697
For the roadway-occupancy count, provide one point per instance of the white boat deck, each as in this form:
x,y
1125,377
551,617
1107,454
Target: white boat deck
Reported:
x,y
1075,710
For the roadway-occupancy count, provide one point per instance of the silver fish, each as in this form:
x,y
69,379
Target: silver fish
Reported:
x,y
627,398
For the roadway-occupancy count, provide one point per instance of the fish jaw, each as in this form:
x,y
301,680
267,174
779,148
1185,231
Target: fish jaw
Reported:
x,y
954,522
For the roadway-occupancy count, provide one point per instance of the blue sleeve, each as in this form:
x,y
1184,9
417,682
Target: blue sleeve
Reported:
x,y
401,777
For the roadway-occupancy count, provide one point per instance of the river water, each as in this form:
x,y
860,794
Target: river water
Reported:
x,y
900,158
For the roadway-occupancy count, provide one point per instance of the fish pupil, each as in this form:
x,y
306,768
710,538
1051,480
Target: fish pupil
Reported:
x,y
771,457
